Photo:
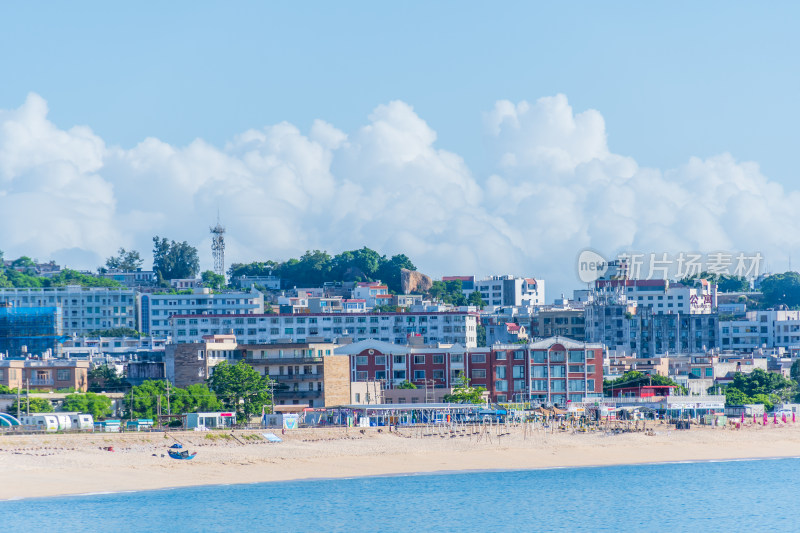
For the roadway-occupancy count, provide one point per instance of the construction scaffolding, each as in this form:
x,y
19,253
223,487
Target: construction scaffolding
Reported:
x,y
30,331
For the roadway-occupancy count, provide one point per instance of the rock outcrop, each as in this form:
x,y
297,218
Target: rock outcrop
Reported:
x,y
412,281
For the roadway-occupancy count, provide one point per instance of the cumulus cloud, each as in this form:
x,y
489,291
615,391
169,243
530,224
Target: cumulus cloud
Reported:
x,y
556,189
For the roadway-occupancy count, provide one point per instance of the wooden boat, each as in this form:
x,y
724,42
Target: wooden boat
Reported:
x,y
181,455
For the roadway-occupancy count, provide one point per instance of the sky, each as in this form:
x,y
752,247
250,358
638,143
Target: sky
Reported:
x,y
476,138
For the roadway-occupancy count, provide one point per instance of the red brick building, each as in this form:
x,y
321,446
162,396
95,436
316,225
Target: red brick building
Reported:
x,y
555,370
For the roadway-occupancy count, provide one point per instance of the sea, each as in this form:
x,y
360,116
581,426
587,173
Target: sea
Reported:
x,y
746,495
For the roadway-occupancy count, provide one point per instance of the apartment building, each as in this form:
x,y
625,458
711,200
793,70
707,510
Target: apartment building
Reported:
x,y
47,374
192,363
555,370
761,329
83,309
155,310
504,291
307,374
559,321
427,327
660,295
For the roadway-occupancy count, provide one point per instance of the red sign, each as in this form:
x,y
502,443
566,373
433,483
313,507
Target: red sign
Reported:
x,y
226,414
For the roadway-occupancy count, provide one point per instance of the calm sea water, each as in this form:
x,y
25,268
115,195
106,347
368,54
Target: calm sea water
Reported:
x,y
718,496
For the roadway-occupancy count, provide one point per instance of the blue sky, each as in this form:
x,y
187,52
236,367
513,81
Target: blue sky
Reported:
x,y
672,81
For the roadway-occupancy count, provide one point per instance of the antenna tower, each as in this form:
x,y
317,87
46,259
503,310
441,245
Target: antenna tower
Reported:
x,y
218,247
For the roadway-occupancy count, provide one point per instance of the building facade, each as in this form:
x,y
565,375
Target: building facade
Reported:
x,y
47,375
155,310
431,328
505,291
761,329
83,309
30,330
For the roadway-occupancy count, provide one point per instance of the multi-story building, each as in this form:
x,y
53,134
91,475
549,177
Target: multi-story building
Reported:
x,y
193,363
430,327
304,374
83,309
628,329
133,279
555,370
661,295
373,293
504,291
554,321
30,330
47,374
761,329
155,310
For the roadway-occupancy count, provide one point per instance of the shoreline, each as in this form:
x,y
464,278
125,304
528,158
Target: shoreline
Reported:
x,y
42,466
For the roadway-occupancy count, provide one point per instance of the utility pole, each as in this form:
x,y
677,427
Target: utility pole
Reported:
x,y
19,401
28,398
169,409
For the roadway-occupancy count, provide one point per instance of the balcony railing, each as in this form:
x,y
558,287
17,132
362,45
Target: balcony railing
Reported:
x,y
295,377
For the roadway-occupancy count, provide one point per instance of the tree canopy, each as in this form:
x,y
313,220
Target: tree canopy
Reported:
x,y
105,378
463,392
725,282
449,292
125,260
634,378
212,280
174,260
315,267
240,388
98,405
758,386
143,400
781,289
10,277
37,405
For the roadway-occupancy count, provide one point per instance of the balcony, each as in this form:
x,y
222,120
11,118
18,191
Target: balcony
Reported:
x,y
298,394
295,377
293,360
39,382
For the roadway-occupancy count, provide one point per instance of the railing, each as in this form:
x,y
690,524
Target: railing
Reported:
x,y
295,377
41,381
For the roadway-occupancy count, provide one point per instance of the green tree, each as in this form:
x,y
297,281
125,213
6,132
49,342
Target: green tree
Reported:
x,y
143,400
406,385
795,370
476,299
174,260
98,405
240,388
464,393
481,335
37,405
213,280
781,289
115,332
125,260
105,378
389,271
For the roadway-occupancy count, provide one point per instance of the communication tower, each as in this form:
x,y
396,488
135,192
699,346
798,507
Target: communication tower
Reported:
x,y
218,247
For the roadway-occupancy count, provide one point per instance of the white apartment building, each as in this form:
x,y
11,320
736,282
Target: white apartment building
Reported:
x,y
761,329
429,327
156,309
661,295
510,291
83,309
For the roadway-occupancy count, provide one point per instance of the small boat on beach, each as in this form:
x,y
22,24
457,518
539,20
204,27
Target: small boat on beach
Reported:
x,y
181,455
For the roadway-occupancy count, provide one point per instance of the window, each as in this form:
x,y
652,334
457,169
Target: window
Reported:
x,y
438,359
457,358
478,358
62,374
575,356
557,357
575,385
539,357
399,374
519,384
380,375
557,385
399,359
361,376
539,385
501,385
519,355
558,372
540,371
500,372
519,371
576,368
479,374
590,369
419,374
500,356
380,360
419,359
361,360
438,374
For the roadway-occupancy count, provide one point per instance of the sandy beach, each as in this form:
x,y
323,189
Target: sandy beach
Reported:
x,y
52,465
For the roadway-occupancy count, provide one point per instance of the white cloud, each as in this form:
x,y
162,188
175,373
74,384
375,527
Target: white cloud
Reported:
x,y
556,189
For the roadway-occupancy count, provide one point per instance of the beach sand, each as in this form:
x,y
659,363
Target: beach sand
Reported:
x,y
52,465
